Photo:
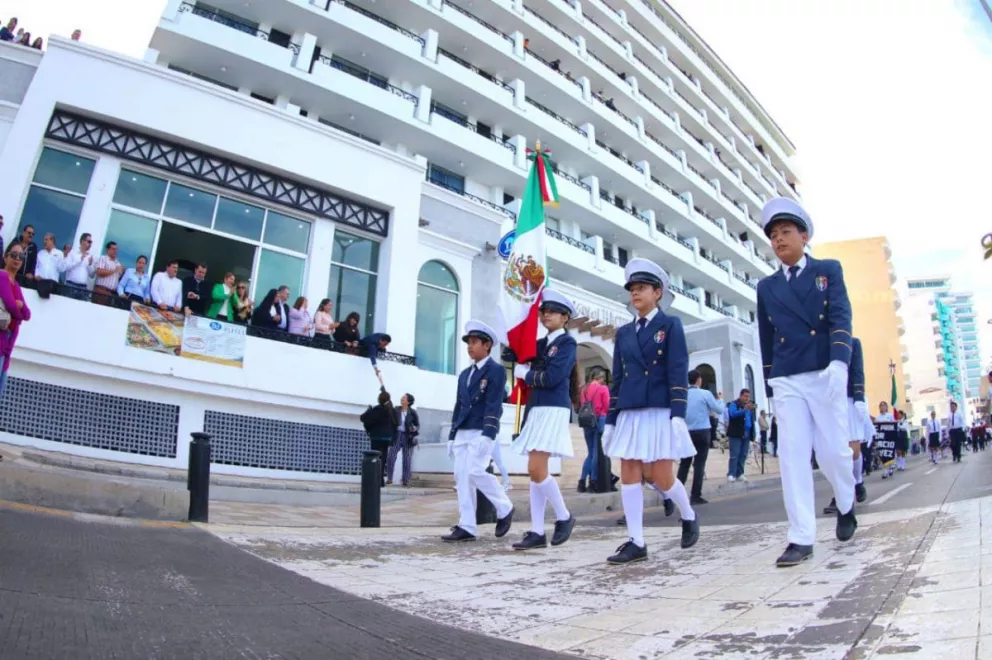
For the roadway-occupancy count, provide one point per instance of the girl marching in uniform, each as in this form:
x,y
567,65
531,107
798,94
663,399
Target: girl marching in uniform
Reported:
x,y
545,433
646,426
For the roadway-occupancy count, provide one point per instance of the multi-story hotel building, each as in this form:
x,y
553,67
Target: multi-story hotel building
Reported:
x,y
876,304
371,153
945,353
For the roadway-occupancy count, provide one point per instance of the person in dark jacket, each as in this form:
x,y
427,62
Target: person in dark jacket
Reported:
x,y
347,333
377,341
381,423
406,440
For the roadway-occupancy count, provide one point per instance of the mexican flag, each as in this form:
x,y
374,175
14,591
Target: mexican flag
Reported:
x,y
526,272
895,394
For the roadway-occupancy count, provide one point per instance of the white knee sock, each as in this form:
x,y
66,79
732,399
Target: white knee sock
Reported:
x,y
551,491
538,500
858,466
681,498
633,508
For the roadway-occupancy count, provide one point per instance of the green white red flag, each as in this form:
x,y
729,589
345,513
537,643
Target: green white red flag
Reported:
x,y
526,271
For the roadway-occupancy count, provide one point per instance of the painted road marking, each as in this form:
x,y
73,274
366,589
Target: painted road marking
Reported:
x,y
931,470
892,493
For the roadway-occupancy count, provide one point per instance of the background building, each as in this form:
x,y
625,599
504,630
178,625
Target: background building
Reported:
x,y
876,304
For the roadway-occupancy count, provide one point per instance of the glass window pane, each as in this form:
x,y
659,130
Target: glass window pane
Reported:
x,y
353,291
351,250
239,219
64,170
275,270
190,205
286,232
134,235
437,327
140,191
50,211
437,274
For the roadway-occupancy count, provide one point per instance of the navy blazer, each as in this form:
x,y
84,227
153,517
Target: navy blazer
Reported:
x,y
650,367
479,405
856,372
550,373
804,329
371,343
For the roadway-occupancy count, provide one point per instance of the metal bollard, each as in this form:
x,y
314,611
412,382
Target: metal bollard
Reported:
x,y
485,512
370,506
604,471
198,477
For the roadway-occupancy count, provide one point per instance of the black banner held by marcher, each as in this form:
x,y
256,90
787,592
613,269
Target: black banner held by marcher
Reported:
x,y
884,445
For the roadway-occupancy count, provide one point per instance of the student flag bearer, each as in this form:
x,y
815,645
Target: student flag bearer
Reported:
x,y
856,411
646,426
474,426
804,326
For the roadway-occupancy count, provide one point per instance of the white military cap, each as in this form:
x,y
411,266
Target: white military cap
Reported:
x,y
783,208
644,271
479,329
556,302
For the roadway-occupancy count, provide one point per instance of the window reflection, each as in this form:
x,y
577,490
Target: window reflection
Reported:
x,y
190,205
286,232
239,219
65,171
134,235
436,334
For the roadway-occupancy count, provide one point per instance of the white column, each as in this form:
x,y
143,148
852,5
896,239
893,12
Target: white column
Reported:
x,y
518,43
649,215
399,264
580,41
423,109
641,131
171,11
519,92
519,143
430,45
319,262
151,56
96,208
308,43
586,88
590,131
593,182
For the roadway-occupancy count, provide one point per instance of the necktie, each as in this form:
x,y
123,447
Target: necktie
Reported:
x,y
641,322
471,373
794,277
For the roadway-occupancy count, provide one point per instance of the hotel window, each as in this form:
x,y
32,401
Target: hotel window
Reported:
x,y
167,220
446,178
749,379
436,333
55,199
354,268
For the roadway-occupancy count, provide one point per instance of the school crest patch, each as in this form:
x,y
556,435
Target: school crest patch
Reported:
x,y
553,351
659,336
821,282
482,384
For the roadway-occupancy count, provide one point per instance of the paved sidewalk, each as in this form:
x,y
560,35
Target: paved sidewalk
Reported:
x,y
914,583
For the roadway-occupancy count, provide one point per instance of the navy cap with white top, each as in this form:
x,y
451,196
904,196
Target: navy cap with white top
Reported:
x,y
479,329
644,271
783,209
556,302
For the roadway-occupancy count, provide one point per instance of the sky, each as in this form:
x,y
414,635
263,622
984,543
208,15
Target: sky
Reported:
x,y
887,101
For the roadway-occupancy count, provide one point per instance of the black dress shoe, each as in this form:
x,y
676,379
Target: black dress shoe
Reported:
x,y
794,555
628,553
622,520
669,508
690,532
698,500
563,530
860,493
457,535
582,485
531,541
832,507
503,524
846,524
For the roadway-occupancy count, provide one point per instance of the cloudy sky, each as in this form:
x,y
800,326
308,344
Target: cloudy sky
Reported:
x,y
887,101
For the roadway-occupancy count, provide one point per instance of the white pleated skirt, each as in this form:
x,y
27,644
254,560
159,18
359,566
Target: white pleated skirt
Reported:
x,y
645,434
855,422
546,430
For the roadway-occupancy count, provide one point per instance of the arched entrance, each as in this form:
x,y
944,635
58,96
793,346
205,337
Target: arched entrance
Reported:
x,y
588,356
709,377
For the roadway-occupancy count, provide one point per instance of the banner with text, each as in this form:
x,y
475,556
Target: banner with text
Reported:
x,y
884,445
196,337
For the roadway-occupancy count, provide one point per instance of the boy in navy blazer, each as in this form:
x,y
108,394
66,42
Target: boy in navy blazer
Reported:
x,y
474,427
804,327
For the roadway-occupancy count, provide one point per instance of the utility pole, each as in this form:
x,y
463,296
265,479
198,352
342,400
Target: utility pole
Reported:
x,y
987,8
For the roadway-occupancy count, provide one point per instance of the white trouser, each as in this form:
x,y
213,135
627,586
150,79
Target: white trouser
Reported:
x,y
471,458
808,420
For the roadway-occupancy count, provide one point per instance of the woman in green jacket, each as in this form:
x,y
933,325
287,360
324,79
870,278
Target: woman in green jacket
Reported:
x,y
221,305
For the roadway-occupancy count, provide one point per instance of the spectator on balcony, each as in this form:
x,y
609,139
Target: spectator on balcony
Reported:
x,y
195,292
48,266
135,282
37,43
381,423
406,440
347,333
273,313
7,33
25,40
167,288
30,253
324,324
108,273
77,35
221,301
13,301
79,266
300,322
243,305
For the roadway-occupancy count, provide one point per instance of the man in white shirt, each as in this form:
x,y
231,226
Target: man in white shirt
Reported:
x,y
934,430
48,267
955,425
167,289
79,265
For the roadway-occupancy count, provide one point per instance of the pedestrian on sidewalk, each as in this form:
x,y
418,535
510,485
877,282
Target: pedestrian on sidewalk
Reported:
x,y
646,427
474,426
594,404
857,409
545,433
763,430
740,431
700,406
804,326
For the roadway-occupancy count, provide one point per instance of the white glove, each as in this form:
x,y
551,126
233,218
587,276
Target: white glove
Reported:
x,y
520,371
836,379
451,450
679,429
608,434
861,407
